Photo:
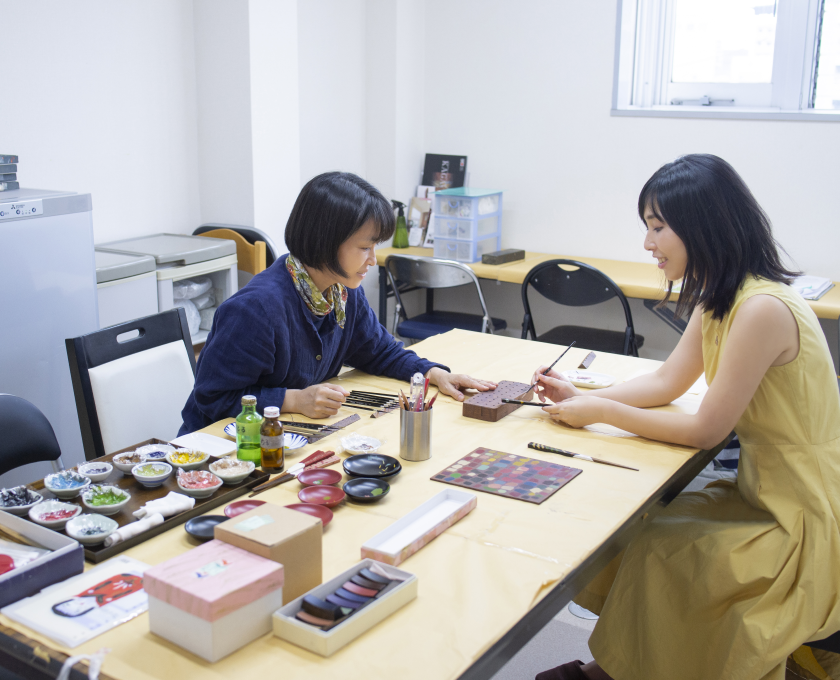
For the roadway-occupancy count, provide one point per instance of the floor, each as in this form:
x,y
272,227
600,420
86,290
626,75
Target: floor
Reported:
x,y
564,639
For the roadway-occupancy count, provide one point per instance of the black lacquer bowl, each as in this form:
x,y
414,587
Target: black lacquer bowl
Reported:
x,y
366,489
371,465
202,527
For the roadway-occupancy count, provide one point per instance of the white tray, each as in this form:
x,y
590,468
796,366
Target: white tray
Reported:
x,y
419,527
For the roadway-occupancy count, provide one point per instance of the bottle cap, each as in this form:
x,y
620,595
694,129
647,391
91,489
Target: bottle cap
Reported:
x,y
271,412
249,400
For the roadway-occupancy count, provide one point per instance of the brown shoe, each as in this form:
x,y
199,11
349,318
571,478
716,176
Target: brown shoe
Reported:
x,y
568,671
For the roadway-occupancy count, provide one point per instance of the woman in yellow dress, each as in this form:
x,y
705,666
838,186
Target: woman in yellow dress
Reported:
x,y
728,581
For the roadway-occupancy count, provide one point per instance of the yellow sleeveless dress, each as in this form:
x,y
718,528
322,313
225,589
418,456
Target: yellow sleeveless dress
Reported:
x,y
727,582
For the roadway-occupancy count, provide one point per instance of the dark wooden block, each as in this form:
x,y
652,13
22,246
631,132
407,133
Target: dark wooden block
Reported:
x,y
503,256
488,406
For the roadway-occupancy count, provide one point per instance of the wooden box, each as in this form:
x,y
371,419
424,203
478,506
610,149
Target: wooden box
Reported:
x,y
213,599
286,536
488,406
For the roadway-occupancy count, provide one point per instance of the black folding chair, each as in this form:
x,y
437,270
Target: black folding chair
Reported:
x,y
575,284
28,436
131,381
250,234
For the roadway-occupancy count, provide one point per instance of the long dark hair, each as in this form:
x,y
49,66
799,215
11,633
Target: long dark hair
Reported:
x,y
727,235
330,209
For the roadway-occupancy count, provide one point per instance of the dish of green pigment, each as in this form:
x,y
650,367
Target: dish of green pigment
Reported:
x,y
106,497
150,470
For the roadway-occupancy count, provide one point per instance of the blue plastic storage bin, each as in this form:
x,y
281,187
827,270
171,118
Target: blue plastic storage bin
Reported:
x,y
473,216
466,251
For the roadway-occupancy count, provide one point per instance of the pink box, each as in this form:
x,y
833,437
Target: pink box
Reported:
x,y
419,527
213,599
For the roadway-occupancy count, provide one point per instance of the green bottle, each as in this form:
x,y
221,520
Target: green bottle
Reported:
x,y
401,234
248,425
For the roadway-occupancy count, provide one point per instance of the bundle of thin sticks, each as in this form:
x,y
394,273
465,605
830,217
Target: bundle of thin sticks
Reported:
x,y
379,402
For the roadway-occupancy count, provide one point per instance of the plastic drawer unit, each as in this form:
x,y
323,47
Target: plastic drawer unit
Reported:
x,y
126,287
468,223
179,257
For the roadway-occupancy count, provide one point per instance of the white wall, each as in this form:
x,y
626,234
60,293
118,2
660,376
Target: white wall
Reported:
x,y
99,97
525,91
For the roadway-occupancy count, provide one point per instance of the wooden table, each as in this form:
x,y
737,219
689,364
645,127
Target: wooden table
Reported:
x,y
488,583
636,279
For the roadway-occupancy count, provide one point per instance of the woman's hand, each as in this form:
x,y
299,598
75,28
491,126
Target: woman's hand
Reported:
x,y
317,401
578,411
554,386
452,383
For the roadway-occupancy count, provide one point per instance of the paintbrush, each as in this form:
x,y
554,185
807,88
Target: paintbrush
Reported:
x,y
523,403
571,454
545,372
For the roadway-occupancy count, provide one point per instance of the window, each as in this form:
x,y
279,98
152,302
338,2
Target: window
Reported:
x,y
738,58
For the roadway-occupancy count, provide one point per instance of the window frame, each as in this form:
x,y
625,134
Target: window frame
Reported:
x,y
643,54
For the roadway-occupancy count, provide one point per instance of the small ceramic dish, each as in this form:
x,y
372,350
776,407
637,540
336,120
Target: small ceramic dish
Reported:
x,y
358,443
198,491
319,477
203,526
120,498
66,484
238,507
232,470
125,461
320,511
290,441
321,495
371,465
156,452
96,472
90,529
366,489
589,379
53,514
191,459
17,494
151,474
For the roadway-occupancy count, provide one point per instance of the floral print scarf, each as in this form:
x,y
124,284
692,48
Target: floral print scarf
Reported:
x,y
335,297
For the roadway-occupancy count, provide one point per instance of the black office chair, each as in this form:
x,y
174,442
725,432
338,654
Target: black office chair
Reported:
x,y
411,272
576,284
131,381
28,436
250,234
829,644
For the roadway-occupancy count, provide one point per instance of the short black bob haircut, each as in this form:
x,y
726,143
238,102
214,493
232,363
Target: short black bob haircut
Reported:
x,y
330,209
727,235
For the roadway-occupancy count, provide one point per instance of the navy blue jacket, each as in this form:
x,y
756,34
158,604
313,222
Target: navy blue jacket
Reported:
x,y
264,340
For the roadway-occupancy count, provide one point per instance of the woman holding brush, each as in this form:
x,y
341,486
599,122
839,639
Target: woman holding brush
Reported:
x,y
293,327
728,581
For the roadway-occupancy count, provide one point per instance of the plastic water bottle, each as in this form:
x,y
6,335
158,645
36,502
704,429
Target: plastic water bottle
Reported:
x,y
248,425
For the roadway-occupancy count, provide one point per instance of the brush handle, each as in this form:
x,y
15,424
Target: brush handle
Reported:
x,y
523,403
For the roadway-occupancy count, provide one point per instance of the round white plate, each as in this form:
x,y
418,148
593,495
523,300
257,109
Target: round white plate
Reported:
x,y
581,378
290,441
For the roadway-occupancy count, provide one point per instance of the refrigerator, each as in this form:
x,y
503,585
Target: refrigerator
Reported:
x,y
47,294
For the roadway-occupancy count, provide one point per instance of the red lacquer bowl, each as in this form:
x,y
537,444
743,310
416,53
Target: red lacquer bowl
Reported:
x,y
322,495
319,477
239,507
321,512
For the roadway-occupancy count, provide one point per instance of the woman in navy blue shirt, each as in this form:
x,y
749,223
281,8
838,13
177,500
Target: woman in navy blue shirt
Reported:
x,y
297,323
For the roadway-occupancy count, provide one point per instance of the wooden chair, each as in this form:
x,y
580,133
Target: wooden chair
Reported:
x,y
250,257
